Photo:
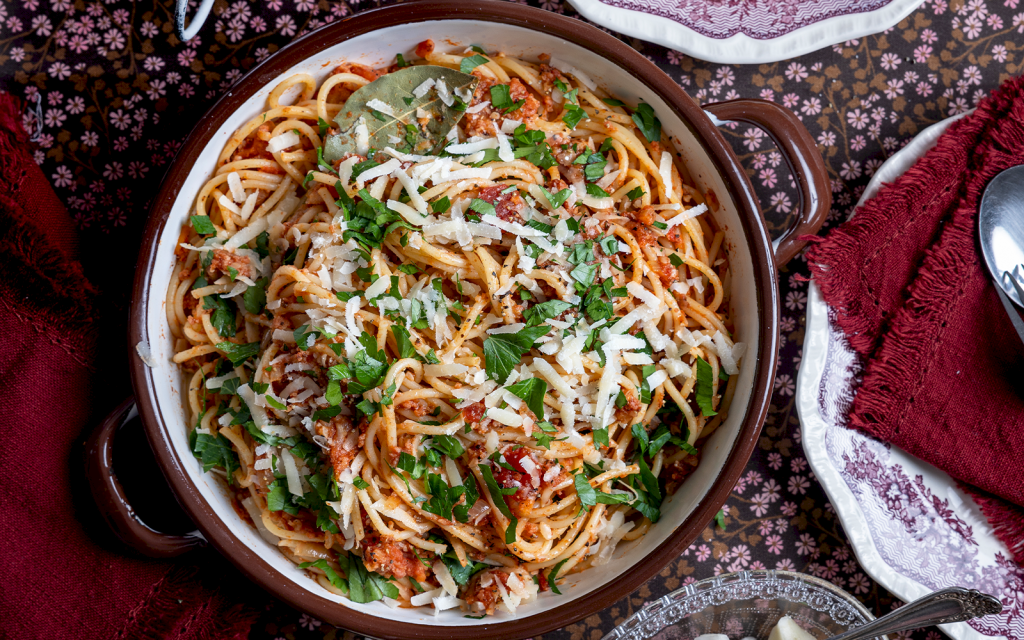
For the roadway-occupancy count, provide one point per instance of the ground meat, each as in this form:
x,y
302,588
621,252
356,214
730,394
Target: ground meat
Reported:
x,y
631,407
506,205
189,303
277,375
644,236
487,121
281,322
557,479
253,146
592,230
675,236
223,260
521,502
528,111
390,558
406,443
644,215
556,185
418,407
358,69
337,163
667,271
344,439
530,530
473,413
573,173
549,75
482,594
566,155
678,471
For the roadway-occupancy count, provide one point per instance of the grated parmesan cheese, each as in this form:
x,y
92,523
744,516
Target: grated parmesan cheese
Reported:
x,y
692,212
665,170
422,89
632,358
362,138
235,185
291,474
565,67
467,148
425,598
407,212
505,153
383,107
505,417
227,204
281,142
378,171
146,354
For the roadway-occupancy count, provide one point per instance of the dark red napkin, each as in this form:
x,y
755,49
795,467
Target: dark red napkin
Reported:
x,y
56,581
944,376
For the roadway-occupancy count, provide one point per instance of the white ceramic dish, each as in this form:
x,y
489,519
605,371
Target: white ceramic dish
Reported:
x,y
912,529
374,38
746,31
378,51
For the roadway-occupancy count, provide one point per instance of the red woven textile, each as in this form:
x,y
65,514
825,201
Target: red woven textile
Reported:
x,y
55,580
944,376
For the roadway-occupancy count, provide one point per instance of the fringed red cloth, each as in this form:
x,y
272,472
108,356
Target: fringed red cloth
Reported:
x,y
55,580
944,376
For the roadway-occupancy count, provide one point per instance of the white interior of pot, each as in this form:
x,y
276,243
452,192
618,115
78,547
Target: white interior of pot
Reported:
x,y
379,49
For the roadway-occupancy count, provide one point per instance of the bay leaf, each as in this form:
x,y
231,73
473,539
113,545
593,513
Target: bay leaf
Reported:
x,y
396,90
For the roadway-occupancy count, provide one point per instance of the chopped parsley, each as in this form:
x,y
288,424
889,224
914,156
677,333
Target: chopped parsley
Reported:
x,y
203,225
705,388
532,391
503,351
645,119
472,62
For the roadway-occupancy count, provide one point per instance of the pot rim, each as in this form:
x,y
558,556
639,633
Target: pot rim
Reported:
x,y
755,235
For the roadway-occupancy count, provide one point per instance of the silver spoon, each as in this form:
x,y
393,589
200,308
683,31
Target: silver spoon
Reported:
x,y
1001,232
954,604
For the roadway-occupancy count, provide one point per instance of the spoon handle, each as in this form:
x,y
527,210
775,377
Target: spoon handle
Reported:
x,y
954,604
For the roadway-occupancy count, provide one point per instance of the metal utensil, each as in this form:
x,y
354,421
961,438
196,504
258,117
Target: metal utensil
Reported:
x,y
1001,233
954,604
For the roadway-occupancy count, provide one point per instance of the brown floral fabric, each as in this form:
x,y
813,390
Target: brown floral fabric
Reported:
x,y
110,92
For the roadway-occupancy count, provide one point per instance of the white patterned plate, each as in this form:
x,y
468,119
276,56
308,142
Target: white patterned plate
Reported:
x,y
912,529
746,31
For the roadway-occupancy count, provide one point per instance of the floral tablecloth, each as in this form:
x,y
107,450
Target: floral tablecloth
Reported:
x,y
111,92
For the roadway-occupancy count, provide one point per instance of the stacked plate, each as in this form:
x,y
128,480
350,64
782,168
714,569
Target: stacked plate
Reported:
x,y
746,31
912,528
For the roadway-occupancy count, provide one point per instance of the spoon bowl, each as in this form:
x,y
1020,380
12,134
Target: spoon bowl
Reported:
x,y
1001,231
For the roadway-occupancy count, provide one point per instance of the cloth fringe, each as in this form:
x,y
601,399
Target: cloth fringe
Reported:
x,y
859,312
916,330
899,335
1007,520
40,278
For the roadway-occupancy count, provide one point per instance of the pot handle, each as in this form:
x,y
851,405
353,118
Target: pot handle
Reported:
x,y
802,157
110,497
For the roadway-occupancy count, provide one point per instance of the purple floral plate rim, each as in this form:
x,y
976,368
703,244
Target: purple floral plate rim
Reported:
x,y
824,23
912,529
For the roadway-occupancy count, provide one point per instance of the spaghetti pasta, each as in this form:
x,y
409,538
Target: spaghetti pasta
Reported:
x,y
447,379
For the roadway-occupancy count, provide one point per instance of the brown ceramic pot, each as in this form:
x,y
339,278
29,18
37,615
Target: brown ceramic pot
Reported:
x,y
518,30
